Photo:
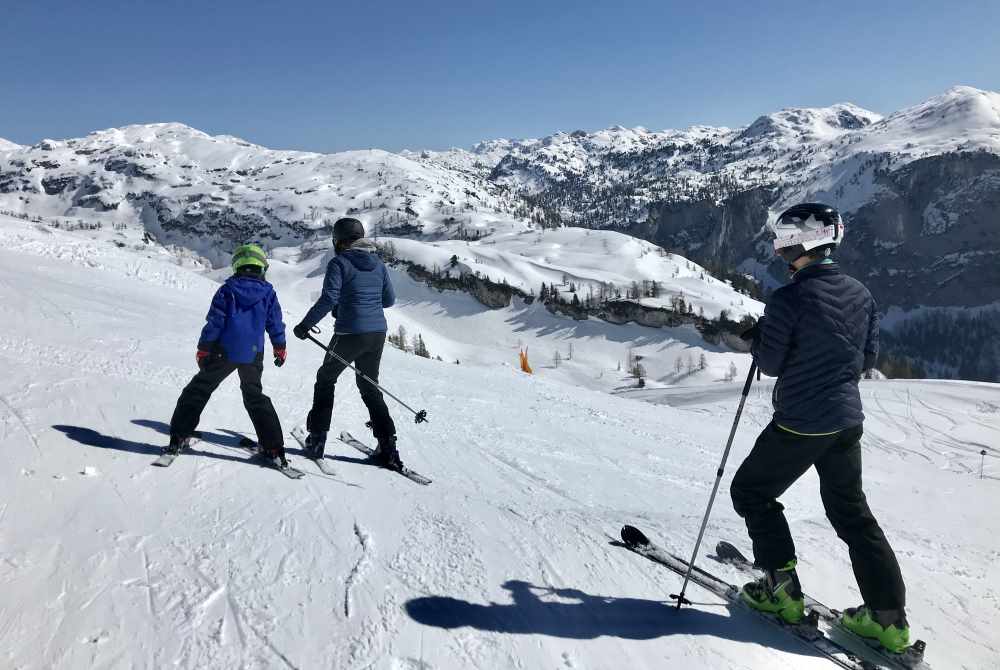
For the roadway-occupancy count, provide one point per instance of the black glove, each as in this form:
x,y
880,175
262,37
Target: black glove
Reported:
x,y
751,333
301,331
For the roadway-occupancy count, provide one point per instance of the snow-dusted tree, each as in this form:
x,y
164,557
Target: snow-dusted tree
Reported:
x,y
419,347
556,359
399,339
702,363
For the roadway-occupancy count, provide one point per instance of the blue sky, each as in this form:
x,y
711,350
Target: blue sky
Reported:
x,y
328,76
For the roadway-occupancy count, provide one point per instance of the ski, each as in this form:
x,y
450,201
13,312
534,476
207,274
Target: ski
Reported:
x,y
287,470
808,632
324,465
166,458
412,475
912,658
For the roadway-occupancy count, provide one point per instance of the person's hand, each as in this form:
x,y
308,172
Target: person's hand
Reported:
x,y
280,354
202,357
301,331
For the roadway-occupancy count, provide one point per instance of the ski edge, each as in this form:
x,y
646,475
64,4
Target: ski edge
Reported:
x,y
412,475
289,471
321,463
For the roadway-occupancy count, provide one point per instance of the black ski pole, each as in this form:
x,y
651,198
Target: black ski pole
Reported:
x,y
420,417
679,597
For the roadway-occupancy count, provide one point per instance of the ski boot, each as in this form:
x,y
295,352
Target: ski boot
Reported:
x,y
315,445
777,592
386,454
889,627
275,456
177,445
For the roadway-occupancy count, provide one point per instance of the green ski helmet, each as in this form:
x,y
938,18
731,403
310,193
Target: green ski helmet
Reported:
x,y
249,256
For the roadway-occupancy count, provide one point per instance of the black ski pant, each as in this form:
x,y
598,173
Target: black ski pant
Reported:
x,y
195,396
364,350
776,461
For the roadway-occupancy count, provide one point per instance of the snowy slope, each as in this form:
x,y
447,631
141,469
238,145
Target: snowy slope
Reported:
x,y
502,562
7,145
585,258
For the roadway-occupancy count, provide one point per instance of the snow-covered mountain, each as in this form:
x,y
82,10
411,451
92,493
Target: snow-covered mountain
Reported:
x,y
504,561
202,192
919,189
201,195
7,145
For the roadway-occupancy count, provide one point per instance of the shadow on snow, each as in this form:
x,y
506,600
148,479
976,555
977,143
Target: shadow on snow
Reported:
x,y
588,617
92,438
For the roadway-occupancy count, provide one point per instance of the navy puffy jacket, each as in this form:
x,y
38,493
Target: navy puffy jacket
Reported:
x,y
356,290
817,336
242,309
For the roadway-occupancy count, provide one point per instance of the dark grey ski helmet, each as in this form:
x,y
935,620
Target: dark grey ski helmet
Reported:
x,y
348,230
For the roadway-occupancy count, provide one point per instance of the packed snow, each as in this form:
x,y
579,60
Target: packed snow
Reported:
x,y
504,561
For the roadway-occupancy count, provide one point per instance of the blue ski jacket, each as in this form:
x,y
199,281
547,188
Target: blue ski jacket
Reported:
x,y
818,334
356,290
242,309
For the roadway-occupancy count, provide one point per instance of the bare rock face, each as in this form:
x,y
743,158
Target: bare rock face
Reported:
x,y
932,236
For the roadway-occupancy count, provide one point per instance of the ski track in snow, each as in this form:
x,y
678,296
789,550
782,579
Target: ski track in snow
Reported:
x,y
21,422
503,561
357,572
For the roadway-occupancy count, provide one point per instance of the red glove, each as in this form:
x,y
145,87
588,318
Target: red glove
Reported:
x,y
202,358
280,354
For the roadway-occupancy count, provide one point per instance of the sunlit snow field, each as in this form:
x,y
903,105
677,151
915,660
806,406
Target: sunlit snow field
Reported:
x,y
504,561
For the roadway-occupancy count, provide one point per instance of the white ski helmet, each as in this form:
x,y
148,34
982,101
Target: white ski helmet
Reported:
x,y
809,227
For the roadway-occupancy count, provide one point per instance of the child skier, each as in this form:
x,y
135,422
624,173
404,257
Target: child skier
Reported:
x,y
817,336
356,291
233,339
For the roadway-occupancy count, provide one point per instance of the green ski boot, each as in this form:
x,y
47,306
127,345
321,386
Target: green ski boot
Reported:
x,y
889,627
777,592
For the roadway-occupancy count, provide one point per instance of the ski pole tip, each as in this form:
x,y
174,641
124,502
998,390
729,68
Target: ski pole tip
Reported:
x,y
681,600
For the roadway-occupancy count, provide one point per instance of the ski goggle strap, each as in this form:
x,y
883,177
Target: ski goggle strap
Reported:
x,y
249,254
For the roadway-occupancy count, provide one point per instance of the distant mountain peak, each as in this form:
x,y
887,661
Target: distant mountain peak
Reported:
x,y
812,122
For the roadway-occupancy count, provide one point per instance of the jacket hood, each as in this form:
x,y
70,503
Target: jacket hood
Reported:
x,y
362,255
248,291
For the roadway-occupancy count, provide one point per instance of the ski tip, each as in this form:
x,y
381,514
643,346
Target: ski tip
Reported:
x,y
633,537
728,552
